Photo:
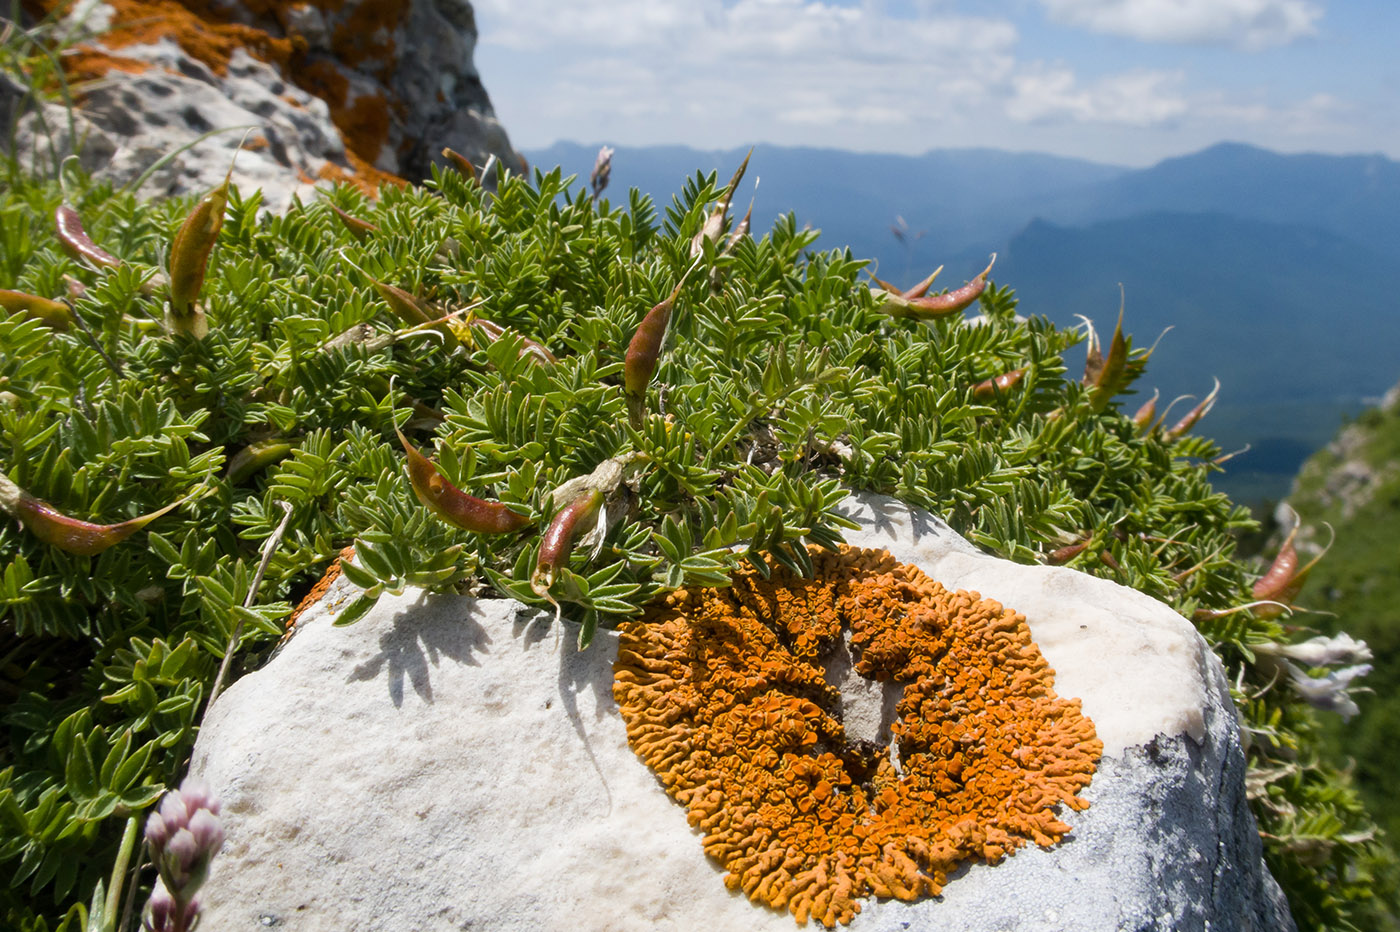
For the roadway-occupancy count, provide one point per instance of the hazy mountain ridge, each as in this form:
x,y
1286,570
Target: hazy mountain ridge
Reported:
x,y
1278,273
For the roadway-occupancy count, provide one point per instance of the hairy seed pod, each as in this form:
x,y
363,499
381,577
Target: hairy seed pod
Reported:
x,y
558,542
460,162
453,505
643,352
75,241
1142,420
1284,579
932,307
990,388
70,534
918,291
357,227
189,261
714,222
1192,417
414,311
55,314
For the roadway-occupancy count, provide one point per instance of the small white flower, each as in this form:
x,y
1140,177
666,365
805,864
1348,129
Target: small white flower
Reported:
x,y
1321,651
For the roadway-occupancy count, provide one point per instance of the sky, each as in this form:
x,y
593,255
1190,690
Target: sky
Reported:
x,y
1125,82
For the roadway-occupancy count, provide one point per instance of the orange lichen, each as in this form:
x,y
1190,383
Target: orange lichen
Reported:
x,y
725,697
364,41
87,64
318,591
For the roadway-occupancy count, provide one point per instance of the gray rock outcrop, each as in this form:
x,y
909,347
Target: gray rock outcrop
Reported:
x,y
352,91
451,763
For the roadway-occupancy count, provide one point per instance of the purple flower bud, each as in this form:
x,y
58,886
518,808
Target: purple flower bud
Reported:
x,y
174,811
207,832
157,832
198,795
160,910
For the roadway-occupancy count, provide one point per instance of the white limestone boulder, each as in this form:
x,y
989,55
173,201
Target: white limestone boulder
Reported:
x,y
450,763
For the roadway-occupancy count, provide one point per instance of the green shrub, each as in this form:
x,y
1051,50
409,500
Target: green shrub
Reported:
x,y
780,386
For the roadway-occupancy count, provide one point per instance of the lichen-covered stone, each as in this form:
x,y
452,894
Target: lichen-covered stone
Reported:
x,y
447,763
361,91
726,698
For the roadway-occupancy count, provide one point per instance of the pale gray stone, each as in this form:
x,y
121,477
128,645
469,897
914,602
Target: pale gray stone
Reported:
x,y
451,763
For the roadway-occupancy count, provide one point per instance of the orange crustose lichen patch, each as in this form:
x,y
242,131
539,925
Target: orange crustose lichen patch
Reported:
x,y
725,697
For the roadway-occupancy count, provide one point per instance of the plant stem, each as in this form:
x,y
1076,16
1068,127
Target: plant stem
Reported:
x,y
114,886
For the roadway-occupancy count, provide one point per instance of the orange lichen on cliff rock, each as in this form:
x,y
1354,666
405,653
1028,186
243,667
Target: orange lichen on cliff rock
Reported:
x,y
205,32
725,697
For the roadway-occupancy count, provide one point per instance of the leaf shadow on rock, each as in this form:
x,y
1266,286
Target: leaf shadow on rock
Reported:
x,y
418,641
579,670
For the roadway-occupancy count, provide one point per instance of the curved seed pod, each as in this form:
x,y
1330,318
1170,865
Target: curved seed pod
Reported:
x,y
75,241
460,162
1282,582
643,352
714,223
55,314
357,227
256,456
1107,375
918,291
558,541
487,332
990,388
1064,554
70,534
1142,420
1192,417
189,260
414,311
453,505
940,305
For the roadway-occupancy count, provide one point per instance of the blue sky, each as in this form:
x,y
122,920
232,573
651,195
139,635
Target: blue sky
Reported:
x,y
1121,81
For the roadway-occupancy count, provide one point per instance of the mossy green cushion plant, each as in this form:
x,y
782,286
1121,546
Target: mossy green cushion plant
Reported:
x,y
779,384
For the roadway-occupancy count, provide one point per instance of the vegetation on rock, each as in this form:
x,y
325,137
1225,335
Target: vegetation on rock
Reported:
x,y
779,384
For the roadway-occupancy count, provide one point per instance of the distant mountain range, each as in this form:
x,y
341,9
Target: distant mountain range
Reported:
x,y
1280,274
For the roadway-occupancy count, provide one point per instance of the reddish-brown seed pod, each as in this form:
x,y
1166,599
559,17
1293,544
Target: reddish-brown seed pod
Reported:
x,y
405,306
357,227
918,291
75,241
414,311
573,519
990,388
1064,554
643,352
1142,420
932,307
453,505
70,534
461,163
1192,417
55,314
1284,579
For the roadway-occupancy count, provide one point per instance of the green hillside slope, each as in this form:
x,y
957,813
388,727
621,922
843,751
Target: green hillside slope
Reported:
x,y
1354,485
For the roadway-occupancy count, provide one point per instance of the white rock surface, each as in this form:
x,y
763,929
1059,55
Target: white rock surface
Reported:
x,y
449,763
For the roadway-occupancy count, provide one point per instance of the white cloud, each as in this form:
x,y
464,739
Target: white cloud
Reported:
x,y
895,76
752,63
1249,24
1137,98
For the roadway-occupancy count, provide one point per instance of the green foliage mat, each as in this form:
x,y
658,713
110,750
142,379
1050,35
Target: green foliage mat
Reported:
x,y
780,385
